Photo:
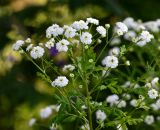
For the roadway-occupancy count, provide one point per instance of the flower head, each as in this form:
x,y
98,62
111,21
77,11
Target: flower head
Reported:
x,y
112,99
146,36
86,38
17,45
68,67
93,21
79,25
45,112
62,46
121,104
153,94
37,52
149,120
31,122
54,30
70,32
133,102
130,35
121,26
154,82
100,115
101,30
29,47
110,61
114,51
50,43
130,23
60,81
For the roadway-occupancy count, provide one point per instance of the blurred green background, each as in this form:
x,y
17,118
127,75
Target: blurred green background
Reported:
x,y
22,93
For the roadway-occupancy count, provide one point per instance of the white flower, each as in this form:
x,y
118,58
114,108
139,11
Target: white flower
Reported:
x,y
146,36
154,106
126,84
68,67
141,43
60,81
114,51
49,44
153,94
29,47
101,30
86,38
45,112
54,30
85,127
154,82
121,104
112,99
119,32
28,40
121,26
152,26
93,21
79,25
70,32
148,85
149,120
133,103
37,52
17,45
110,61
100,115
31,122
158,103
115,41
139,27
130,23
107,26
62,46
130,35
127,63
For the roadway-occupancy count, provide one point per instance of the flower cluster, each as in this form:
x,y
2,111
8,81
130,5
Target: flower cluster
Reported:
x,y
98,79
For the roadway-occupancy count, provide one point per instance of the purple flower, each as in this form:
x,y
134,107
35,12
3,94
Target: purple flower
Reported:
x,y
53,51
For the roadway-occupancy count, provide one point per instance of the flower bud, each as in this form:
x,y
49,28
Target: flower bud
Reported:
x,y
119,32
107,26
28,40
127,63
86,47
71,75
90,60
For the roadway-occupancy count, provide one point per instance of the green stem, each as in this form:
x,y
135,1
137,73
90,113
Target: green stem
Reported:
x,y
43,71
88,106
107,42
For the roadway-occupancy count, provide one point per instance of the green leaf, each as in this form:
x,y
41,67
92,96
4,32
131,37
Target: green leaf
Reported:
x,y
41,75
134,121
122,50
70,118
